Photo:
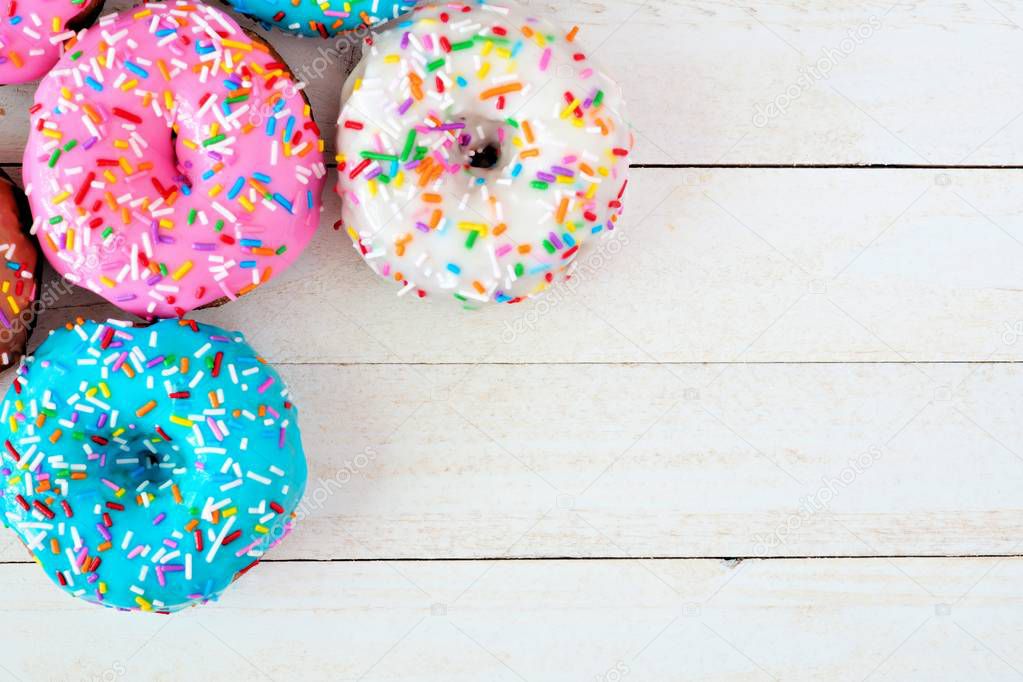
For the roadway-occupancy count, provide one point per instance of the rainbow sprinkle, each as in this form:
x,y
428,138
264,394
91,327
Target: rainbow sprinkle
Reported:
x,y
479,153
172,161
148,468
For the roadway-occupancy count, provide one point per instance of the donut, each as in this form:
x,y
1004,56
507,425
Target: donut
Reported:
x,y
33,31
172,161
479,153
147,468
326,18
19,275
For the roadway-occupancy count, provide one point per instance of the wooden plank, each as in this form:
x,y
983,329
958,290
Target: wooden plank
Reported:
x,y
540,621
844,82
714,266
643,460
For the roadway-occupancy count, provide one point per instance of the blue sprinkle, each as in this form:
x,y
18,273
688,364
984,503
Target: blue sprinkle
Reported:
x,y
279,198
262,177
271,125
236,187
516,170
247,264
250,242
516,49
94,84
207,175
454,269
13,266
136,69
596,228
568,239
309,199
461,82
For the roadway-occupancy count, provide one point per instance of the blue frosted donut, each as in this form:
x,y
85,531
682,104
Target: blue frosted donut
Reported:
x,y
147,468
322,17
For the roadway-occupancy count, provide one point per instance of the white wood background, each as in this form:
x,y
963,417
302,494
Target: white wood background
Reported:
x,y
778,434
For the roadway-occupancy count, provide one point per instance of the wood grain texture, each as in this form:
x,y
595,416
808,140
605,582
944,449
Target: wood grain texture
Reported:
x,y
465,461
712,266
919,619
834,82
770,362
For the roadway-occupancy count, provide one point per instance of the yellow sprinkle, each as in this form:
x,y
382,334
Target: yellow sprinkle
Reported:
x,y
182,271
181,421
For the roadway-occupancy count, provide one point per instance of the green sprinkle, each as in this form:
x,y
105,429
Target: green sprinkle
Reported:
x,y
236,99
281,249
56,219
471,239
548,246
539,184
70,145
377,156
512,122
435,64
107,232
219,225
386,179
54,157
519,269
410,142
463,45
191,216
213,140
598,98
76,56
163,269
421,153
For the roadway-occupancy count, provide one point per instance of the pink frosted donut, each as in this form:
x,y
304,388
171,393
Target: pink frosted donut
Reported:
x,y
172,161
33,31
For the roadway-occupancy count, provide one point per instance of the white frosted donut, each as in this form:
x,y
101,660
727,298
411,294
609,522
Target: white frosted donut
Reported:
x,y
479,153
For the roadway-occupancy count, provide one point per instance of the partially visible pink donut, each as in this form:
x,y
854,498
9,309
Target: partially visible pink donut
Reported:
x,y
172,161
33,31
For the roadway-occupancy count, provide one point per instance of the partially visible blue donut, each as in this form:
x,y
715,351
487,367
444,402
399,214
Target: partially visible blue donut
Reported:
x,y
322,17
147,468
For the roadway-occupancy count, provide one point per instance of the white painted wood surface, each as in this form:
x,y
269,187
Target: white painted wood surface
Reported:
x,y
815,369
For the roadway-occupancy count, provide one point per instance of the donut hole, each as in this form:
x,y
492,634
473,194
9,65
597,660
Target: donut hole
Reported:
x,y
485,158
480,145
154,463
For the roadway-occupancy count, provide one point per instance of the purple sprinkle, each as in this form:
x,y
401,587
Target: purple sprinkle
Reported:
x,y
405,106
546,177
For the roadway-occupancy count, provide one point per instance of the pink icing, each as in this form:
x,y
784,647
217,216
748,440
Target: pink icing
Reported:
x,y
161,225
30,44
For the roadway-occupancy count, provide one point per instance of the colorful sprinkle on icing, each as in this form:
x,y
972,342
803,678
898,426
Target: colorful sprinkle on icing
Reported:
x,y
322,17
18,269
479,151
147,468
32,33
161,154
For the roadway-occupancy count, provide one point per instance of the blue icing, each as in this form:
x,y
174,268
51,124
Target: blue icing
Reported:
x,y
309,15
151,483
